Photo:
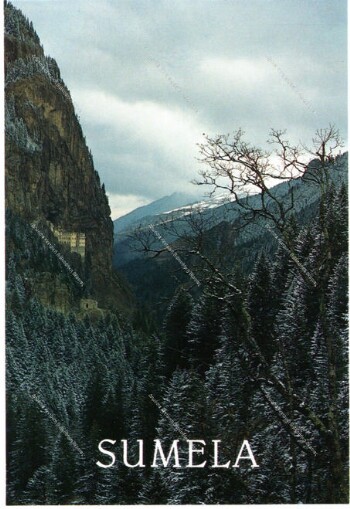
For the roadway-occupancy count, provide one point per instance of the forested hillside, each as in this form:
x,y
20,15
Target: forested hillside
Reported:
x,y
155,276
205,370
251,344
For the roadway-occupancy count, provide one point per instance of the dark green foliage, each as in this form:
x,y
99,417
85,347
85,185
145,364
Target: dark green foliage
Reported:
x,y
177,318
267,362
203,332
17,25
260,353
261,306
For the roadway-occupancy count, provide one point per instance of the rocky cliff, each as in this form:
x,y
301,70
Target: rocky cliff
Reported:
x,y
50,173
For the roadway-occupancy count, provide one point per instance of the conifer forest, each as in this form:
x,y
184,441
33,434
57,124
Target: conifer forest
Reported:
x,y
229,328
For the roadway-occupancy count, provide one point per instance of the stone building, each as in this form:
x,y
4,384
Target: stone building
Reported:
x,y
75,240
88,304
90,307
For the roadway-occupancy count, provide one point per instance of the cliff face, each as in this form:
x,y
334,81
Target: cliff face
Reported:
x,y
50,173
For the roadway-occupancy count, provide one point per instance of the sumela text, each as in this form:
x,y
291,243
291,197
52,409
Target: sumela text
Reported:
x,y
195,448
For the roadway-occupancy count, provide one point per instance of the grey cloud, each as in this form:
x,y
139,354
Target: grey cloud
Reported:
x,y
146,51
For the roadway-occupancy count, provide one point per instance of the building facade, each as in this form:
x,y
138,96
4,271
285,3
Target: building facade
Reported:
x,y
75,240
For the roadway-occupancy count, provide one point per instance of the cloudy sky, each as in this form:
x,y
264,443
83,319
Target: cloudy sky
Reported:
x,y
149,77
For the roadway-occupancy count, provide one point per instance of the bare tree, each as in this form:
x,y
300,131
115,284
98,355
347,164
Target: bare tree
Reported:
x,y
248,172
185,238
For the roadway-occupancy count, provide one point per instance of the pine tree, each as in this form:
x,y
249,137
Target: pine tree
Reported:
x,y
177,318
182,416
203,331
261,306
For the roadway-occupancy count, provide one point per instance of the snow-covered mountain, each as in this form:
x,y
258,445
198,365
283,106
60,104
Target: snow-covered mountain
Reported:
x,y
140,215
213,211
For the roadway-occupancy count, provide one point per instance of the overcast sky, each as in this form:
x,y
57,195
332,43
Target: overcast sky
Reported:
x,y
148,77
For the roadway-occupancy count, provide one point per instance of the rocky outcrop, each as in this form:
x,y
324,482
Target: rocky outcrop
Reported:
x,y
50,173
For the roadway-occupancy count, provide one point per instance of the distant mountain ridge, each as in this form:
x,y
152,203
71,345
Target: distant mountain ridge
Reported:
x,y
159,206
155,279
215,211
